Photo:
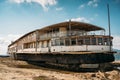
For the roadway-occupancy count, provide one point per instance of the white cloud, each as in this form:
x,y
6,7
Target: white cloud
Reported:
x,y
44,3
17,1
116,42
59,9
80,19
5,41
90,3
82,6
93,3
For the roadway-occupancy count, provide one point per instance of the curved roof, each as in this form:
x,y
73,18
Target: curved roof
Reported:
x,y
73,24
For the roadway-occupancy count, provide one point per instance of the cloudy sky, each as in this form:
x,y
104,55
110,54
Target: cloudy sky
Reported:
x,y
18,17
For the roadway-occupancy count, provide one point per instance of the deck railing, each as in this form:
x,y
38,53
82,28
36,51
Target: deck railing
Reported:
x,y
67,34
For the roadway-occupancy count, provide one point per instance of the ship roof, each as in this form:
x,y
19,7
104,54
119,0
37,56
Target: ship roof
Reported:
x,y
73,24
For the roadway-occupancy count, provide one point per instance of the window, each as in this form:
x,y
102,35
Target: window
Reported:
x,y
57,42
106,41
73,41
38,44
67,42
100,41
34,45
53,42
87,41
30,45
26,45
61,42
93,41
111,42
47,43
80,41
55,30
42,44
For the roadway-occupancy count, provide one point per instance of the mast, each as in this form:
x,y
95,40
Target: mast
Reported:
x,y
70,27
109,26
70,30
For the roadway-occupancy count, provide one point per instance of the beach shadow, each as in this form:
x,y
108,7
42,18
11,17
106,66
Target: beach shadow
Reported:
x,y
84,70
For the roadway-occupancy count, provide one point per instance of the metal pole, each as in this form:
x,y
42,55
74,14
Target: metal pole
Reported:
x,y
69,27
70,30
109,26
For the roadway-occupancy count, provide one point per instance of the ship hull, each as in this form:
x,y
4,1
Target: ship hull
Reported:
x,y
94,58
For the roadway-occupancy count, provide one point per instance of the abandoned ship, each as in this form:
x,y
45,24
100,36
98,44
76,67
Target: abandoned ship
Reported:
x,y
68,43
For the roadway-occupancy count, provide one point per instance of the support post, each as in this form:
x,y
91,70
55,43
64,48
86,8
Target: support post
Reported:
x,y
36,41
70,30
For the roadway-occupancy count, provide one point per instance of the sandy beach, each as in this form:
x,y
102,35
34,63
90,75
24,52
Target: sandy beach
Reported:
x,y
20,70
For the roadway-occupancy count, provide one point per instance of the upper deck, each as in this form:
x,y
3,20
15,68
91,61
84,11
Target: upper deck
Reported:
x,y
67,29
63,29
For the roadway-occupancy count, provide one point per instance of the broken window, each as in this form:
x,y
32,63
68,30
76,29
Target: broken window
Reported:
x,y
73,41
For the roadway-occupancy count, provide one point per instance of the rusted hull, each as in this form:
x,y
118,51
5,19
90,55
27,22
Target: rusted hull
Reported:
x,y
94,58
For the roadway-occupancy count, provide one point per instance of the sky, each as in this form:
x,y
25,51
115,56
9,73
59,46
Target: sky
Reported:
x,y
18,17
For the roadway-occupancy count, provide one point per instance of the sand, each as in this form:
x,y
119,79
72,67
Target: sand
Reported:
x,y
20,70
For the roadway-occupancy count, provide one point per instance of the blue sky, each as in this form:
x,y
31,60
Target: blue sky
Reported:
x,y
18,17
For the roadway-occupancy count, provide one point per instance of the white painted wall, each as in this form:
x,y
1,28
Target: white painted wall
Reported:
x,y
97,48
94,48
29,50
43,50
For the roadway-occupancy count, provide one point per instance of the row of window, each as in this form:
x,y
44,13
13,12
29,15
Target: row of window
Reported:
x,y
29,45
81,41
33,44
68,42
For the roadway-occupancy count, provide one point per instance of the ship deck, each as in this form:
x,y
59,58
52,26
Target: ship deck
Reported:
x,y
72,52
